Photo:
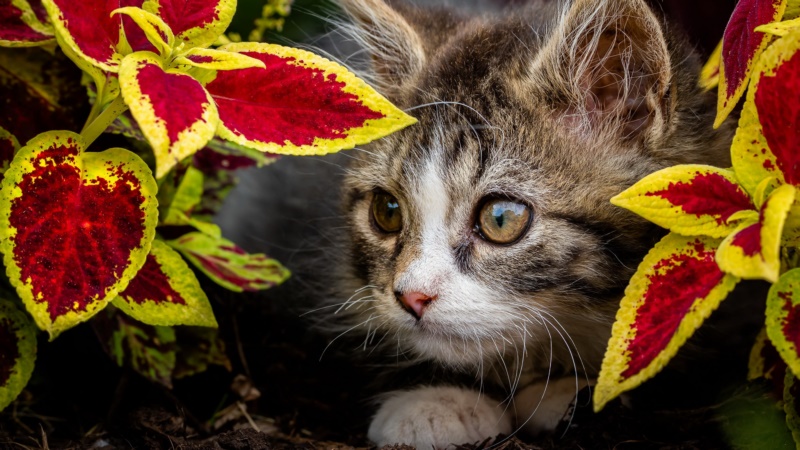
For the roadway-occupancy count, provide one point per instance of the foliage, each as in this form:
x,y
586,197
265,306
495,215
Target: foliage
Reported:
x,y
82,228
725,225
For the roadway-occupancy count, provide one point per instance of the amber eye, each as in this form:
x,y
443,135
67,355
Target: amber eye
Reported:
x,y
386,212
503,221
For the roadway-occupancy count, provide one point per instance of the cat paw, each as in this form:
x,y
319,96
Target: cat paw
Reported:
x,y
437,417
540,409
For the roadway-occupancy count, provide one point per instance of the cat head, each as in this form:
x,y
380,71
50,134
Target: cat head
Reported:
x,y
485,231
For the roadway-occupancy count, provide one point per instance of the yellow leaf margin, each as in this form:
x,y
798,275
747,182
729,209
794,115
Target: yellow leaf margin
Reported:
x,y
394,119
91,166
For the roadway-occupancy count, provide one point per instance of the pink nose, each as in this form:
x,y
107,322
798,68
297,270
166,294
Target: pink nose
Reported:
x,y
415,302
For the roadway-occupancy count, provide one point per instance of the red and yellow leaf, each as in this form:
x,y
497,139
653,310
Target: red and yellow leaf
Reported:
x,y
88,29
207,58
301,104
8,148
166,292
677,286
20,26
709,76
753,251
762,147
157,33
741,47
75,227
692,200
18,344
175,113
196,23
783,318
228,265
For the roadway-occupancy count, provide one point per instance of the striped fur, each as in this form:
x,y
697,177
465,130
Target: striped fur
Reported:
x,y
559,106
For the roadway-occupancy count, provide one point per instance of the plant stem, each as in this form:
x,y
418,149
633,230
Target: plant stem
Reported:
x,y
98,103
105,119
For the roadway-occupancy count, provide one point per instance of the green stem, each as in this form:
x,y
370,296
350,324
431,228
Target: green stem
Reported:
x,y
98,103
109,115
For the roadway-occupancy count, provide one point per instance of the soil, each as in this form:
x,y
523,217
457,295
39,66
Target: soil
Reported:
x,y
281,395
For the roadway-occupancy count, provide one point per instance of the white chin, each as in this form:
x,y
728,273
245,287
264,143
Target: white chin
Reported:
x,y
451,350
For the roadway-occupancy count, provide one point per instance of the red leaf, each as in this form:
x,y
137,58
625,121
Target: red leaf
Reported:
x,y
741,45
286,103
166,292
676,287
39,92
777,99
173,110
707,194
14,30
749,239
673,289
151,284
183,15
198,23
88,26
75,226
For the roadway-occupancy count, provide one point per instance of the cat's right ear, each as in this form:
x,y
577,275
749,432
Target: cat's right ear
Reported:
x,y
396,48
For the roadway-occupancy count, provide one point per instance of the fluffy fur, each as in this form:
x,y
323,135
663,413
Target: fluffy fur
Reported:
x,y
559,106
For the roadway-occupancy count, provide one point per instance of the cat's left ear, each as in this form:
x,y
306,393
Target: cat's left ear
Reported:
x,y
608,67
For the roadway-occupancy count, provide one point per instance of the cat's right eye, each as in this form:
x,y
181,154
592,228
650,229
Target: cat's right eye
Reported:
x,y
386,212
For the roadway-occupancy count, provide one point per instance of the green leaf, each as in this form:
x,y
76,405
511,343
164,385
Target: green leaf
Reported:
x,y
186,197
17,351
783,318
199,348
148,350
791,388
8,148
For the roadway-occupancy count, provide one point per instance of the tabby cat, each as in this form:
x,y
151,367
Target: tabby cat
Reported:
x,y
483,239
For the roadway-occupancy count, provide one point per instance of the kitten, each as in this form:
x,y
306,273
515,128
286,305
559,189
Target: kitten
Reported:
x,y
482,238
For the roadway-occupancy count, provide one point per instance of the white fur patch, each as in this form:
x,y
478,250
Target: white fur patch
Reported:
x,y
437,417
427,272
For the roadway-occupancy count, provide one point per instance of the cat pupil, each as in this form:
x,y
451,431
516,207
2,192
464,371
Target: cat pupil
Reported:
x,y
500,215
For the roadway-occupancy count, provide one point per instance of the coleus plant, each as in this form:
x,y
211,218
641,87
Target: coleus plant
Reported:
x,y
725,225
82,230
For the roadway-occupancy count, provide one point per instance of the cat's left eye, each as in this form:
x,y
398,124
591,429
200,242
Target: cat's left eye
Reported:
x,y
502,221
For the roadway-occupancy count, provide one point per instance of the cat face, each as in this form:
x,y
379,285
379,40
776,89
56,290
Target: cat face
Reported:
x,y
485,231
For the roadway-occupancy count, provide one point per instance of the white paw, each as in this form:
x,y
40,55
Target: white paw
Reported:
x,y
437,417
539,410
